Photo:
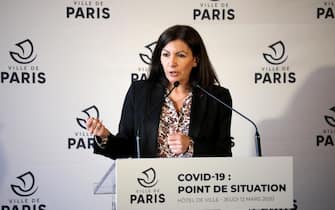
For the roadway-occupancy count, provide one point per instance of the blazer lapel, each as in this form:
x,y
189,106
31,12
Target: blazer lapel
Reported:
x,y
199,102
153,110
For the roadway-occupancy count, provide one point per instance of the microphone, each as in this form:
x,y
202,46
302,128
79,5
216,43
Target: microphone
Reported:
x,y
175,84
257,136
138,138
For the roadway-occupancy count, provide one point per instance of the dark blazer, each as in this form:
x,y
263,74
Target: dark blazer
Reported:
x,y
209,123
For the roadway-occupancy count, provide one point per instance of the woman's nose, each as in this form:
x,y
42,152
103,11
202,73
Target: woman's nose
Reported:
x,y
172,61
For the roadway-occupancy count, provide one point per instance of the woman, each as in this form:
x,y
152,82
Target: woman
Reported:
x,y
165,116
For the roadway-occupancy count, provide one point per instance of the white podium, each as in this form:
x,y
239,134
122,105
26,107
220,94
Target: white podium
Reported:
x,y
204,183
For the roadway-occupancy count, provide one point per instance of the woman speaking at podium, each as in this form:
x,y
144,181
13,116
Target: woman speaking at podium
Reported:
x,y
167,115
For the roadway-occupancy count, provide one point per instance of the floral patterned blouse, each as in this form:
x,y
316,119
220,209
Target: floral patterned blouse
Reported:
x,y
173,121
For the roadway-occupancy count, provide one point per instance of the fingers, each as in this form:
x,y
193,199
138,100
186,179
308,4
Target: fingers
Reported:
x,y
91,124
178,143
95,127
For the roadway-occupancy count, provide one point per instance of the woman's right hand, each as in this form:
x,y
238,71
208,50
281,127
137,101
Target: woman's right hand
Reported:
x,y
94,126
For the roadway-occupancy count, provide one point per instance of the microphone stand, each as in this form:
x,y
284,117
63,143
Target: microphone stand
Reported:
x,y
257,135
138,151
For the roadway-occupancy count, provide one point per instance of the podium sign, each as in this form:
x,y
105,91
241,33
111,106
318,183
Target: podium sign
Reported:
x,y
204,183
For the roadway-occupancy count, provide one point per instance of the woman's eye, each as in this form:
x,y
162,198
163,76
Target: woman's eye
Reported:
x,y
165,54
182,55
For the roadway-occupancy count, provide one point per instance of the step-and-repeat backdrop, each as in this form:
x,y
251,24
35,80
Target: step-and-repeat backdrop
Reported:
x,y
62,61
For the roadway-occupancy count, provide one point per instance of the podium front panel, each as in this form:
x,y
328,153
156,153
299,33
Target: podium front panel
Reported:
x,y
204,183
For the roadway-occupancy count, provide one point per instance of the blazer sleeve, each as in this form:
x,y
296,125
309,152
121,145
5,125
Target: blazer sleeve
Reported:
x,y
122,145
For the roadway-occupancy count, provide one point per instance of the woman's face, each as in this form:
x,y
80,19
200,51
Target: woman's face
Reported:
x,y
177,60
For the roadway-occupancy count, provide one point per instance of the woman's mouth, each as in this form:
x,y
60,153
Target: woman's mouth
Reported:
x,y
173,73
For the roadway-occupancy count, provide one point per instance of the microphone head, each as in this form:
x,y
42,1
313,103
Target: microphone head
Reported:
x,y
175,84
